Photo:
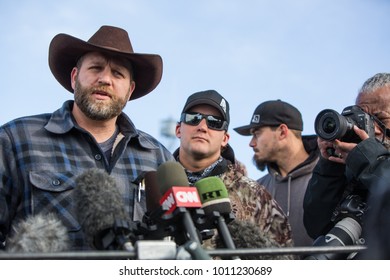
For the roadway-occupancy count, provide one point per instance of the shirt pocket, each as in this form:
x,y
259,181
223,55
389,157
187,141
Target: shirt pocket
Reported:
x,y
52,191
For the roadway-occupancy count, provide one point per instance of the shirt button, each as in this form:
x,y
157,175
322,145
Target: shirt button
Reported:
x,y
98,157
56,182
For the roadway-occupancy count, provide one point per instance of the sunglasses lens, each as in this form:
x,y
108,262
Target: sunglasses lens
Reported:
x,y
213,122
194,119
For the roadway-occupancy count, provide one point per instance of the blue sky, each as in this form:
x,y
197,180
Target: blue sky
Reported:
x,y
314,54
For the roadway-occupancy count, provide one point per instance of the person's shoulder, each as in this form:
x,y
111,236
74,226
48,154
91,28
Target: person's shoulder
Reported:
x,y
235,179
150,142
26,121
144,136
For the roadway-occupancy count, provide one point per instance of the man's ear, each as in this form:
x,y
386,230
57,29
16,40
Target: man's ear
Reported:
x,y
225,139
284,131
177,130
132,87
73,76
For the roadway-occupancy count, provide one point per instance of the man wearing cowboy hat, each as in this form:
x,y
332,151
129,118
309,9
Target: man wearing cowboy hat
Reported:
x,y
42,155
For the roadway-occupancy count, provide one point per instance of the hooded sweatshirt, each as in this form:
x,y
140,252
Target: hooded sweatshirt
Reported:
x,y
289,191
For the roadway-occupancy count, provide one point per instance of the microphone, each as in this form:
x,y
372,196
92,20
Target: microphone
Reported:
x,y
171,173
101,211
246,234
152,191
153,212
214,195
41,233
216,205
178,197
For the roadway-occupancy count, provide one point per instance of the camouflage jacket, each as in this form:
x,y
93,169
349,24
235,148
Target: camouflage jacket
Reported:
x,y
252,202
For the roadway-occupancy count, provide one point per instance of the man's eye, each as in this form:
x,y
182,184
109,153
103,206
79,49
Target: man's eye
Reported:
x,y
95,67
118,74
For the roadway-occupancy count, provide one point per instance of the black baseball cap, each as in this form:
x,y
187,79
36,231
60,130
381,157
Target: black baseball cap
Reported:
x,y
209,97
273,113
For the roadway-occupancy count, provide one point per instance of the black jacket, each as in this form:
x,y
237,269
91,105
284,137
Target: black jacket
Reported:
x,y
366,168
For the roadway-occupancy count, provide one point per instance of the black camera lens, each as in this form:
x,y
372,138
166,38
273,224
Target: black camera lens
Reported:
x,y
329,125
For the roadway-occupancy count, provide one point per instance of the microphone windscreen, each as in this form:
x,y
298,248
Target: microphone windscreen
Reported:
x,y
98,201
246,234
169,174
39,234
214,195
152,191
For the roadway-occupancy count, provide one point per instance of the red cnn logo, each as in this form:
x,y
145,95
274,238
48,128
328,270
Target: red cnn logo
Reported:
x,y
187,197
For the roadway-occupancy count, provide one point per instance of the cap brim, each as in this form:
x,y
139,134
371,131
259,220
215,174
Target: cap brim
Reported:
x,y
65,50
244,130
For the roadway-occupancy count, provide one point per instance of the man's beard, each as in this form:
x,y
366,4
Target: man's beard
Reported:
x,y
260,165
95,109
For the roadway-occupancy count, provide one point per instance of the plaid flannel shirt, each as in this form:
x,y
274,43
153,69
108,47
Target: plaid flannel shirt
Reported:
x,y
42,155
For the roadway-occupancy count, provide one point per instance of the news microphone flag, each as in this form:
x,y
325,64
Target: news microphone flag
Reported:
x,y
214,195
178,195
175,197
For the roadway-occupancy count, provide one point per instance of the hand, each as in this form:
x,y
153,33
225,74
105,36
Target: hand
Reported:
x,y
342,149
361,133
324,146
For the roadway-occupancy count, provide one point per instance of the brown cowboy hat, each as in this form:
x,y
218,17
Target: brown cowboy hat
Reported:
x,y
65,50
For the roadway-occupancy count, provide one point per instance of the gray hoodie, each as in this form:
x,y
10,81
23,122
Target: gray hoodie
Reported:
x,y
289,191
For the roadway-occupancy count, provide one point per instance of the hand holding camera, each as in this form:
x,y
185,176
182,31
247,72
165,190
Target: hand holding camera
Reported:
x,y
339,134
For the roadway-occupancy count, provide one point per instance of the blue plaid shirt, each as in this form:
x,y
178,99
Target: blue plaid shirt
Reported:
x,y
42,155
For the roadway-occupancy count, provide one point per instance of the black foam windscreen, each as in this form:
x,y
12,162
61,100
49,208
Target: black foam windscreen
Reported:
x,y
99,203
246,234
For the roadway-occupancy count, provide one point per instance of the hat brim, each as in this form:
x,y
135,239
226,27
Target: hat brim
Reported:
x,y
245,130
65,50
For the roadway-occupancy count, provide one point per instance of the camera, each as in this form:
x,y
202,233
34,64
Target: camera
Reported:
x,y
330,125
348,217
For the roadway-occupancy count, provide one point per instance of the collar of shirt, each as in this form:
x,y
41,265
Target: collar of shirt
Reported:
x,y
62,122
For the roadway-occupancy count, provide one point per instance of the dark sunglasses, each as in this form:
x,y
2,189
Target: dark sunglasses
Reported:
x,y
212,122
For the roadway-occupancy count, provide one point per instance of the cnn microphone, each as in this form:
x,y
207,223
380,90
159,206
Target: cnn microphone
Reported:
x,y
101,211
39,234
178,197
216,205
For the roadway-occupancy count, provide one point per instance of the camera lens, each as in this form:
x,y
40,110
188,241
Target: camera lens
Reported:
x,y
345,233
329,125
